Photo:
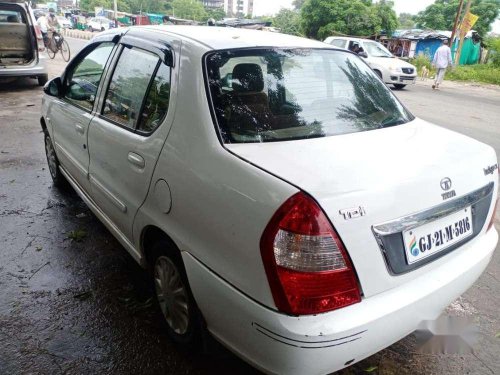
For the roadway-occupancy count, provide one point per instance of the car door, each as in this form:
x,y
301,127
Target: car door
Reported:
x,y
125,137
70,115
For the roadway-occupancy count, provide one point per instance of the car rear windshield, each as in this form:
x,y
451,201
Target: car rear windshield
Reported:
x,y
266,95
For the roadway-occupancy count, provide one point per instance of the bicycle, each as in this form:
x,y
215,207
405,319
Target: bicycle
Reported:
x,y
57,43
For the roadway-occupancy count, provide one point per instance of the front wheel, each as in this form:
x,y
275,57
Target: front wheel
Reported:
x,y
182,317
399,86
65,52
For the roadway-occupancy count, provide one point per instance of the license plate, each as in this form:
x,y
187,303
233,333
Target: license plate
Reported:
x,y
433,237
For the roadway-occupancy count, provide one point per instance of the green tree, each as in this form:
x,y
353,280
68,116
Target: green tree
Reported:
x,y
406,21
441,15
387,15
216,14
322,18
297,4
189,9
288,21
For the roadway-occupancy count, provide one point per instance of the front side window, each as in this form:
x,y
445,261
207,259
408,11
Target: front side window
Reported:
x,y
266,95
83,79
128,86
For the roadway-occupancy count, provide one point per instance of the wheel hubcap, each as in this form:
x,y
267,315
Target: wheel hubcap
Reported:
x,y
51,157
172,295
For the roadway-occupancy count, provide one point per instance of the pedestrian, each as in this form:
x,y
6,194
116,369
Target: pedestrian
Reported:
x,y
441,61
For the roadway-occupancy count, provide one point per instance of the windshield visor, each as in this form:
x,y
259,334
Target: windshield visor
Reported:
x,y
266,95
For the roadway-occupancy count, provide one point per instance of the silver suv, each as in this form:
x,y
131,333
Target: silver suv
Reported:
x,y
21,42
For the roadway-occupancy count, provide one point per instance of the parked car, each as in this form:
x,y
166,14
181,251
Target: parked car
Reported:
x,y
99,24
64,22
279,193
388,67
21,43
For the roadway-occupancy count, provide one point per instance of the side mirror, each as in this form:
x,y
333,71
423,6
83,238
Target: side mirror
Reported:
x,y
363,54
53,87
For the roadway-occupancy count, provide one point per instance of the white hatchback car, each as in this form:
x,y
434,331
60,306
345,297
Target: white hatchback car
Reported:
x,y
387,66
280,194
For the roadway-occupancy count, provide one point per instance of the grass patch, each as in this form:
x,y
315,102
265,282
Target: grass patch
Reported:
x,y
486,73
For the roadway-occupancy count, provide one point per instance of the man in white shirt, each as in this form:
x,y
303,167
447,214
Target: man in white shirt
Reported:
x,y
441,61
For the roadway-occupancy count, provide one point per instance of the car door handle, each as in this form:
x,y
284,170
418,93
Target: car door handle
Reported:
x,y
80,129
136,160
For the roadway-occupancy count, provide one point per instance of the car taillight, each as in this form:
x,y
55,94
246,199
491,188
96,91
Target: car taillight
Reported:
x,y
306,263
492,221
39,39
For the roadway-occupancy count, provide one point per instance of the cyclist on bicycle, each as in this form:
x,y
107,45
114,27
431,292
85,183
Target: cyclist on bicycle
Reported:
x,y
48,24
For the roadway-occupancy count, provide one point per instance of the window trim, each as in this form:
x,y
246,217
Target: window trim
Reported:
x,y
111,72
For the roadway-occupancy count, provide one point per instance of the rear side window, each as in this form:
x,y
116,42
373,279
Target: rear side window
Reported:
x,y
129,85
157,101
11,16
83,79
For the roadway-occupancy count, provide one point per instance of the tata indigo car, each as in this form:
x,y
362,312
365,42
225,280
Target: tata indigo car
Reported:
x,y
280,195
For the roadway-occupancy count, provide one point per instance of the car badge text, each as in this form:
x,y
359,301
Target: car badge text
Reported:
x,y
490,169
352,213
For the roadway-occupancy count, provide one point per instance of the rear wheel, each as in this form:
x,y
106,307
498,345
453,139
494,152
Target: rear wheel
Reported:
x,y
398,86
174,297
65,52
102,29
377,72
42,80
53,163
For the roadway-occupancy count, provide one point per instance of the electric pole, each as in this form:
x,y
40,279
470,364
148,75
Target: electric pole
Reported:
x,y
115,10
462,37
457,17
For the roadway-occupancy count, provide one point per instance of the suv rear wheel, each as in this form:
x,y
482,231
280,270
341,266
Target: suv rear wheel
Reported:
x,y
173,294
42,80
398,86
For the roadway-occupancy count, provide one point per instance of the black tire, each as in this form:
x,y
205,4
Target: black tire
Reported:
x,y
103,29
42,80
192,338
398,86
53,163
377,72
65,51
50,52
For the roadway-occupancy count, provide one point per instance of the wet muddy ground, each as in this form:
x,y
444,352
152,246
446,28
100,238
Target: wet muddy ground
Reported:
x,y
72,301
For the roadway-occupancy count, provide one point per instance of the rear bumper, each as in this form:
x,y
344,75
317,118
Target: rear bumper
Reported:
x,y
36,68
277,343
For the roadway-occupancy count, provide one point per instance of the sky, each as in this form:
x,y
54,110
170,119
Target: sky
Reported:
x,y
270,7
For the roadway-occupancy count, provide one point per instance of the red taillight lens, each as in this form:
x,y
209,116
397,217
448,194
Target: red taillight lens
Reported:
x,y
306,263
492,221
39,39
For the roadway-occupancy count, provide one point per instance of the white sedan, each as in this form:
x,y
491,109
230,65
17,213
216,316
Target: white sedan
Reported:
x,y
99,24
280,195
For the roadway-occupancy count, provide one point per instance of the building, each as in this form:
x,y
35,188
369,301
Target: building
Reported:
x,y
213,4
238,8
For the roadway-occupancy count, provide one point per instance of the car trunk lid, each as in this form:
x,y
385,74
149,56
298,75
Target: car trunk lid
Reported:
x,y
375,177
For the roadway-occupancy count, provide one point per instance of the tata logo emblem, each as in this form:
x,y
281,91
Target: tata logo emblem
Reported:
x,y
446,183
446,186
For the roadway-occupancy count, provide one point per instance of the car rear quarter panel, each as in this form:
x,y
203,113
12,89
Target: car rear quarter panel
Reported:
x,y
220,204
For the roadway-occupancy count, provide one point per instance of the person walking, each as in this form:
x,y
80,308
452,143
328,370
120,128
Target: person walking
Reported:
x,y
442,60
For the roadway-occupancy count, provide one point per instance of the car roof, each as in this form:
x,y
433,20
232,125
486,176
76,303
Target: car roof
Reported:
x,y
214,38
